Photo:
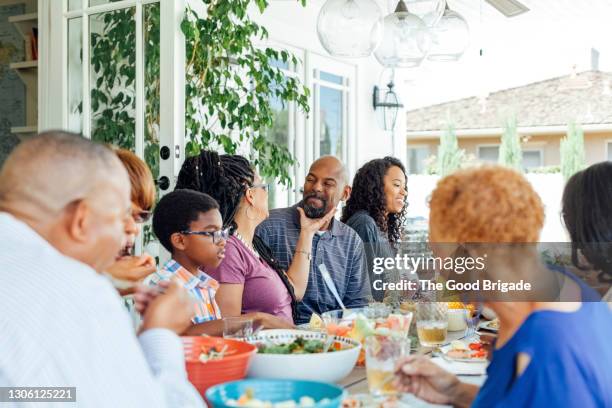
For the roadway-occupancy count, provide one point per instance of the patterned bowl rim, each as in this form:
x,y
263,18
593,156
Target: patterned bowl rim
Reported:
x,y
308,335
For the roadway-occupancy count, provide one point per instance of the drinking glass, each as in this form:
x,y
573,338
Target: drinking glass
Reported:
x,y
432,323
237,327
382,353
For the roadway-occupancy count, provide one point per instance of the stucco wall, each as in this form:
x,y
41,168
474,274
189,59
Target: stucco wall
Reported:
x,y
594,144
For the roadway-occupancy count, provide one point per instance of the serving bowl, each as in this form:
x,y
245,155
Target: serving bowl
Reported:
x,y
275,391
232,366
328,367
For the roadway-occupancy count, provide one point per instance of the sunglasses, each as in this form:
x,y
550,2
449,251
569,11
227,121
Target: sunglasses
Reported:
x,y
141,216
217,236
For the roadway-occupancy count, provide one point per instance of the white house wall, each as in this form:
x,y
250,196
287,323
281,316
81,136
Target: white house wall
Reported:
x,y
288,22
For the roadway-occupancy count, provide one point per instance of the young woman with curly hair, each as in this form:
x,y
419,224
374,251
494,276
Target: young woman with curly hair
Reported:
x,y
548,353
376,210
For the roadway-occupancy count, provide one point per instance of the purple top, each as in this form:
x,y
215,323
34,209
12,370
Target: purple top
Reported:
x,y
264,290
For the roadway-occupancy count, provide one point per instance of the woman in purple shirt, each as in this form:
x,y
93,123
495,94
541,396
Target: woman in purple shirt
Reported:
x,y
250,279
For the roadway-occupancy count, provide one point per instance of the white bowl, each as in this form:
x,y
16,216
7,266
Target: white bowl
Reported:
x,y
326,367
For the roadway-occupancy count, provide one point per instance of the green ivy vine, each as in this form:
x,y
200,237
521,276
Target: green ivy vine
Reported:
x,y
230,83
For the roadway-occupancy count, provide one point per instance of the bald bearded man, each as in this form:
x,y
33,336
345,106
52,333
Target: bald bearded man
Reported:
x,y
64,205
337,246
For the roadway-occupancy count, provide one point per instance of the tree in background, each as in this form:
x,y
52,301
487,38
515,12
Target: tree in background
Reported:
x,y
450,156
510,154
572,151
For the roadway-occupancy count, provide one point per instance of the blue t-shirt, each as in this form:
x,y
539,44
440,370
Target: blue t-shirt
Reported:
x,y
571,362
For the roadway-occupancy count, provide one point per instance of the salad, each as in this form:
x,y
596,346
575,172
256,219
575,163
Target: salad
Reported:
x,y
297,346
214,353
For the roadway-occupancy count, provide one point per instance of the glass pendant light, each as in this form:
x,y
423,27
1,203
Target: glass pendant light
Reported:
x,y
350,28
450,37
405,39
430,11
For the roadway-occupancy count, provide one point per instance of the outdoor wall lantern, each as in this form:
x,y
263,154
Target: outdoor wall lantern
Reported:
x,y
350,28
389,106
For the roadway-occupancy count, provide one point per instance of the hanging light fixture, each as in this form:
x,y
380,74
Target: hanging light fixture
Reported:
x,y
349,28
390,106
429,11
405,39
450,37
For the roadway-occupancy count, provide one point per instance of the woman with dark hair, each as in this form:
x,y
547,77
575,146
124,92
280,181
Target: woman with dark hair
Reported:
x,y
587,215
376,210
250,279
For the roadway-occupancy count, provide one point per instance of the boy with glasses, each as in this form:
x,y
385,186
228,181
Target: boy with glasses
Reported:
x,y
189,225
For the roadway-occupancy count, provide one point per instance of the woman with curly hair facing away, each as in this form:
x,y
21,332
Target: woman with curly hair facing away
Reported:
x,y
548,353
251,281
376,210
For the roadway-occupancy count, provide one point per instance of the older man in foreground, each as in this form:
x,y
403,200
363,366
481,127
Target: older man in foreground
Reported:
x,y
64,205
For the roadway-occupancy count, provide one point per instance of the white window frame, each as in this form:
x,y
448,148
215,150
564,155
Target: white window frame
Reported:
x,y
172,69
297,119
536,149
485,145
349,73
414,146
54,86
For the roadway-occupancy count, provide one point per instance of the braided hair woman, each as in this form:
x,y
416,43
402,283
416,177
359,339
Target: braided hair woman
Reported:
x,y
376,210
250,279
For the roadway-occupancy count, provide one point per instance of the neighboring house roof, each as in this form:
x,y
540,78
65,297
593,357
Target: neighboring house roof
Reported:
x,y
550,103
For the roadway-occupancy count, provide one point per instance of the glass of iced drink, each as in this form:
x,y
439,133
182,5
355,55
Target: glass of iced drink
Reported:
x,y
382,353
432,323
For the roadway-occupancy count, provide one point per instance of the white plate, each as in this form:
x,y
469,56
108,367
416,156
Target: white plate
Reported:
x,y
327,367
488,326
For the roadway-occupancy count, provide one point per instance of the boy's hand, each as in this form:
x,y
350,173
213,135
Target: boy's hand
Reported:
x,y
170,310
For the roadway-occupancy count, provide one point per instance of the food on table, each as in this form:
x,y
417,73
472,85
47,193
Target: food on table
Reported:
x,y
368,401
316,323
460,305
248,400
297,346
472,351
493,324
213,353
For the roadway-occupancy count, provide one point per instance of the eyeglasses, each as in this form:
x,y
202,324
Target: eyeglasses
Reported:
x,y
141,216
264,187
217,236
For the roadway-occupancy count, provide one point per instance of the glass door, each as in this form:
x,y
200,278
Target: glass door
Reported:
x,y
121,83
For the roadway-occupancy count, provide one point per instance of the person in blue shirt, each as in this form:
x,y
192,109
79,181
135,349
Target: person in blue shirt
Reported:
x,y
547,354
